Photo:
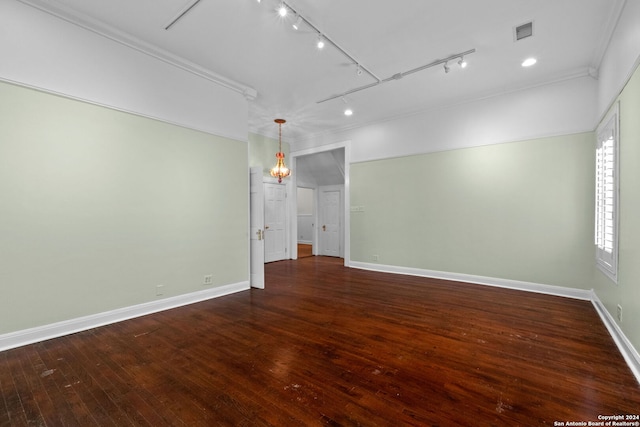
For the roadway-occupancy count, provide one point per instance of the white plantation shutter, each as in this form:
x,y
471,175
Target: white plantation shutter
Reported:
x,y
606,221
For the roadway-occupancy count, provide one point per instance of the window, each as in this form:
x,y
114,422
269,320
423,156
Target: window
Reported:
x,y
606,221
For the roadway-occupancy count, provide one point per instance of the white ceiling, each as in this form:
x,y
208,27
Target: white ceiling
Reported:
x,y
318,169
248,42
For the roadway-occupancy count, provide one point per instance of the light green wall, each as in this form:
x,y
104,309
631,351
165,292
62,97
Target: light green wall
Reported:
x,y
98,207
262,152
519,211
627,291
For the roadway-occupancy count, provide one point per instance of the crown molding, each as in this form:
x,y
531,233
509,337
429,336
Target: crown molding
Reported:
x,y
65,13
605,39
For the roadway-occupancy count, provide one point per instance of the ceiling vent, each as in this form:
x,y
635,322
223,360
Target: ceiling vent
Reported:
x,y
523,31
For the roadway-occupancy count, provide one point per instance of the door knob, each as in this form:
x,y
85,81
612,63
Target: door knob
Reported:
x,y
266,227
324,228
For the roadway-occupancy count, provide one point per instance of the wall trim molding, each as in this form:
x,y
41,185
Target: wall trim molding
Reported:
x,y
66,327
119,109
630,354
580,294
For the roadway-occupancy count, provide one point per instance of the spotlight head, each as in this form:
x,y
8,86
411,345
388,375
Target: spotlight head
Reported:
x,y
320,42
282,10
297,23
462,63
446,68
358,70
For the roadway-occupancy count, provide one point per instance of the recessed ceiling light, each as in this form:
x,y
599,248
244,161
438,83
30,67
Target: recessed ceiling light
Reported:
x,y
348,112
529,62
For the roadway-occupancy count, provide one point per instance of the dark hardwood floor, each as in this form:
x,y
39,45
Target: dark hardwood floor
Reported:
x,y
327,345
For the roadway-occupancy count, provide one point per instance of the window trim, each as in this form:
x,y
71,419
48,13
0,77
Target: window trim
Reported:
x,y
607,258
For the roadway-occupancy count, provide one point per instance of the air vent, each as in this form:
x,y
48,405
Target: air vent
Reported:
x,y
523,31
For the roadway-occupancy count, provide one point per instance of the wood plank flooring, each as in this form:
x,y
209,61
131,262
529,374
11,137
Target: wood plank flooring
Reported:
x,y
304,250
327,345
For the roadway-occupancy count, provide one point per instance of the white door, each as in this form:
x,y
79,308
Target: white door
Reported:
x,y
329,230
256,206
275,232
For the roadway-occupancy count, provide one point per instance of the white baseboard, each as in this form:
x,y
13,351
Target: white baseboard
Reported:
x,y
625,347
580,294
630,354
66,327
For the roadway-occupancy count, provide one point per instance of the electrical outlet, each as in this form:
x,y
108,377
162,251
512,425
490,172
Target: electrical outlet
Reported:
x,y
619,313
159,290
375,257
208,279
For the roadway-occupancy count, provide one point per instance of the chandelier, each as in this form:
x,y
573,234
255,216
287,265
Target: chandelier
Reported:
x,y
280,170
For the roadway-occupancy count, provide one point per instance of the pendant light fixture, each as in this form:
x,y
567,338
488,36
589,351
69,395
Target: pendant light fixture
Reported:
x,y
280,170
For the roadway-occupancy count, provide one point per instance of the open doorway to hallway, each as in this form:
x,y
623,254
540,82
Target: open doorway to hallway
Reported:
x,y
320,181
306,221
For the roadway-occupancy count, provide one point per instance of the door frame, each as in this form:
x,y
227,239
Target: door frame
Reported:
x,y
293,202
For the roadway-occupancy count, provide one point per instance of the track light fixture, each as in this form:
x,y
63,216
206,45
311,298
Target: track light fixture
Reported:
x,y
297,23
398,76
322,39
285,8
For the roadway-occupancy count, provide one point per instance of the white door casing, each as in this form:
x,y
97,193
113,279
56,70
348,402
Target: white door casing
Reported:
x,y
256,226
346,223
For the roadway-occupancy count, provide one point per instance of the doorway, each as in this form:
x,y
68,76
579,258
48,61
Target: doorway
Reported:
x,y
306,220
325,170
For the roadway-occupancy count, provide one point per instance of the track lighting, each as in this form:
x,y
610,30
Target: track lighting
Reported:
x,y
401,75
285,9
297,23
